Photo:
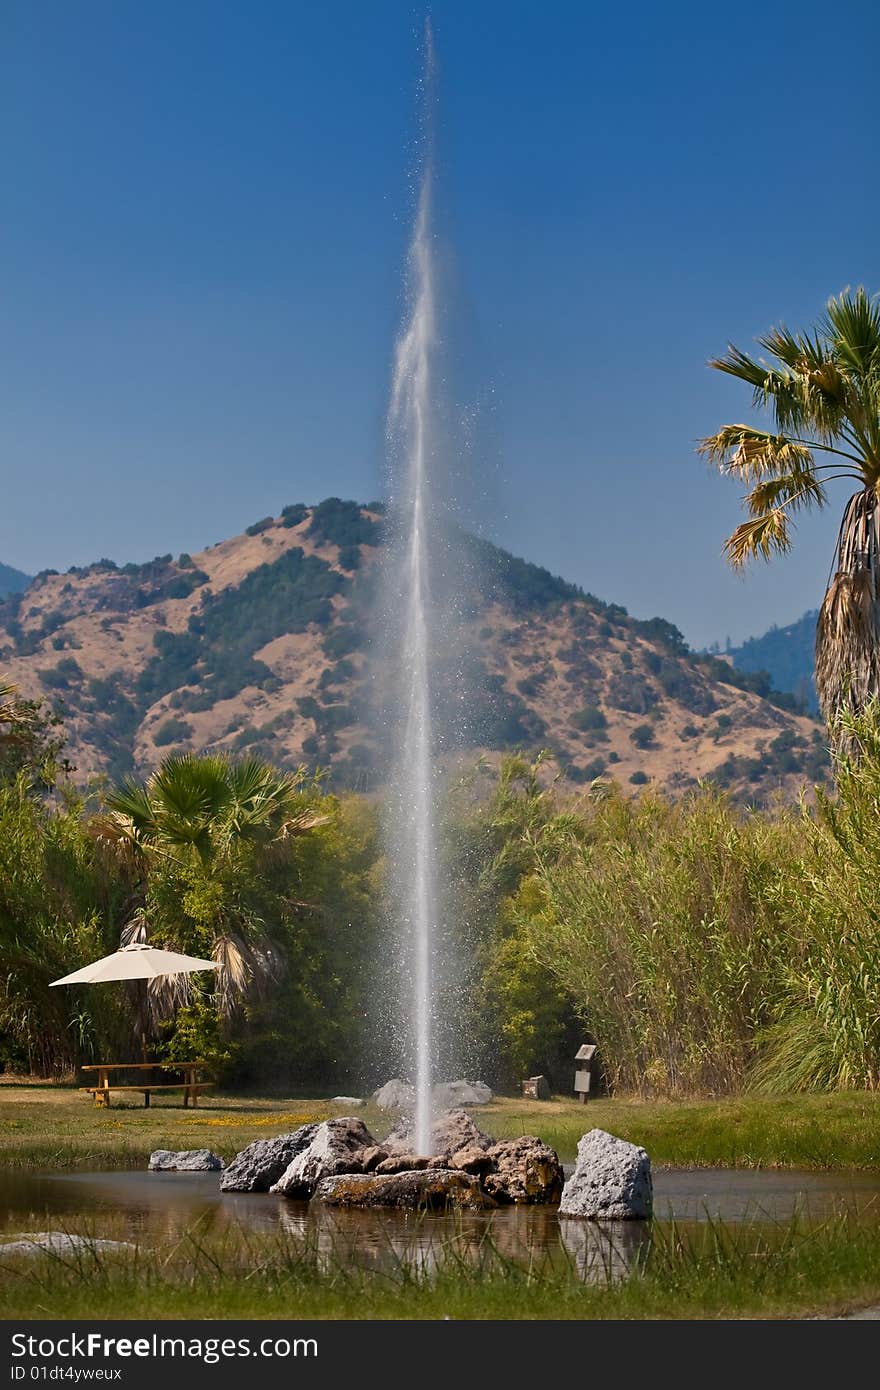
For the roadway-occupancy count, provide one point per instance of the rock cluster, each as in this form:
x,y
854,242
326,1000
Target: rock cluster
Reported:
x,y
340,1163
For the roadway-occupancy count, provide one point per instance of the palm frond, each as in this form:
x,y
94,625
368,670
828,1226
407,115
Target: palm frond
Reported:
x,y
136,929
796,491
852,322
750,453
235,969
764,536
737,363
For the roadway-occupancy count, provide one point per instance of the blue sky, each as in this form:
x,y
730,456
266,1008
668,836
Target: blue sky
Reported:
x,y
206,208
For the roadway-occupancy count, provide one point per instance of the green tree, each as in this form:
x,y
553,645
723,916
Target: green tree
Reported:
x,y
31,739
822,388
205,831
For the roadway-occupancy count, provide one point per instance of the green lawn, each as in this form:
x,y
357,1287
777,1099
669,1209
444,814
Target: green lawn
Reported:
x,y
45,1127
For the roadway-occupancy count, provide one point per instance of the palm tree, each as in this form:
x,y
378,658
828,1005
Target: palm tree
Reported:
x,y
203,818
822,389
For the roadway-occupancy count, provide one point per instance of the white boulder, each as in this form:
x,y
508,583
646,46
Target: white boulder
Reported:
x,y
395,1095
611,1180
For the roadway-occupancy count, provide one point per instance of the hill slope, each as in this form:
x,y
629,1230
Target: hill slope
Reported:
x,y
12,581
787,654
259,643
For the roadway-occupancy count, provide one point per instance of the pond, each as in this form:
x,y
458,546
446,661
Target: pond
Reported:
x,y
158,1209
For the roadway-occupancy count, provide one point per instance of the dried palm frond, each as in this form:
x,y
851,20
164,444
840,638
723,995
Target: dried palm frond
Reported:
x,y
764,536
136,929
235,970
301,822
168,993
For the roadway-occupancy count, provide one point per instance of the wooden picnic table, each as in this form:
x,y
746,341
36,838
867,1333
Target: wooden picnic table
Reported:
x,y
104,1087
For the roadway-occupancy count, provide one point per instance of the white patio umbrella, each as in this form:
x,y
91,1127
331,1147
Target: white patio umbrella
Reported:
x,y
136,962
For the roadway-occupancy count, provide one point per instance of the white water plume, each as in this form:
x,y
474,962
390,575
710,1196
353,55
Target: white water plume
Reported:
x,y
412,447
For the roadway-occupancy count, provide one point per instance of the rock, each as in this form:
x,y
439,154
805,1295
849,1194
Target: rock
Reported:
x,y
453,1131
536,1088
611,1180
401,1163
524,1170
262,1163
471,1160
395,1095
333,1149
371,1157
448,1094
433,1189
58,1243
184,1161
353,1101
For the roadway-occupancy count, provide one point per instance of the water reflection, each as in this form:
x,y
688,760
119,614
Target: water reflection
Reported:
x,y
605,1252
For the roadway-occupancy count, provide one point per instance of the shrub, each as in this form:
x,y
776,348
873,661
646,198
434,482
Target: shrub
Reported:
x,y
589,719
341,640
259,527
172,730
631,692
639,778
643,736
294,514
343,524
531,686
350,557
68,672
340,674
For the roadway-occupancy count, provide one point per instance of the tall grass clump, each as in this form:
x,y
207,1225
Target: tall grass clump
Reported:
x,y
826,995
662,922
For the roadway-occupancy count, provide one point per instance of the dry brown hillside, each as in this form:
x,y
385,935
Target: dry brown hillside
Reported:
x,y
259,643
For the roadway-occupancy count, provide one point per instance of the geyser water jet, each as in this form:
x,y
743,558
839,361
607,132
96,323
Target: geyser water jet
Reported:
x,y
414,526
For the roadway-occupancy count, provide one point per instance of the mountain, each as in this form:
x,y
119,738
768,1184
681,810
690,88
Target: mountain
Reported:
x,y
788,656
12,581
258,643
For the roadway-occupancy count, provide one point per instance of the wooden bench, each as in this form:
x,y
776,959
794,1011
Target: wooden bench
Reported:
x,y
191,1087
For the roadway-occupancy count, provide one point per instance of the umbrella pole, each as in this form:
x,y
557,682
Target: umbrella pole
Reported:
x,y
143,1013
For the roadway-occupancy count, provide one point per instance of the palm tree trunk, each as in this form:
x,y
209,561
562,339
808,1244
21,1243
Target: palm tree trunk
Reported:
x,y
848,630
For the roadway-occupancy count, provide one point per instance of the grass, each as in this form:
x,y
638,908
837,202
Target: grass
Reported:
x,y
820,1130
708,1272
50,1127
